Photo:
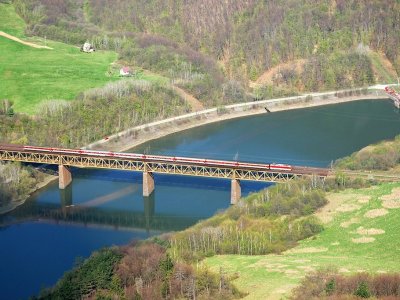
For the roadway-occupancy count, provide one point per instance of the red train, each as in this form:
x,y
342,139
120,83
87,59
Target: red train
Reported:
x,y
152,158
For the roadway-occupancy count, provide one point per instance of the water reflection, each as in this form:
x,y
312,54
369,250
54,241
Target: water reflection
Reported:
x,y
41,238
175,204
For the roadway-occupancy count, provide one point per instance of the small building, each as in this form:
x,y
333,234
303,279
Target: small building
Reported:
x,y
125,71
88,48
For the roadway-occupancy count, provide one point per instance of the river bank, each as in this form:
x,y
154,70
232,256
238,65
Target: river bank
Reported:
x,y
138,135
99,205
14,204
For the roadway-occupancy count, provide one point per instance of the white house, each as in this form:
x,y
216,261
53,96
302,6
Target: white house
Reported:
x,y
125,71
87,47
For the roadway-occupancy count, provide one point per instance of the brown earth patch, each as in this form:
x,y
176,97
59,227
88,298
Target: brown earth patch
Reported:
x,y
395,195
325,214
375,213
11,37
363,199
301,260
391,204
290,272
195,104
363,240
268,76
392,200
344,270
308,250
306,268
347,207
369,231
389,68
346,224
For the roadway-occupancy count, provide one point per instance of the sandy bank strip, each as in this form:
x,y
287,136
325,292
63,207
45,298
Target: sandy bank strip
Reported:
x,y
135,136
14,38
14,204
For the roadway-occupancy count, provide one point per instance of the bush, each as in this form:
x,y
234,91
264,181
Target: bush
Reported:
x,y
328,282
362,290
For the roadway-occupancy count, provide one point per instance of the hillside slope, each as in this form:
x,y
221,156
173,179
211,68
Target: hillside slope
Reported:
x,y
213,46
29,76
361,234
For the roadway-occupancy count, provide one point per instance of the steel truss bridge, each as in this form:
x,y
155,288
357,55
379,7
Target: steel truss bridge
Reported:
x,y
148,167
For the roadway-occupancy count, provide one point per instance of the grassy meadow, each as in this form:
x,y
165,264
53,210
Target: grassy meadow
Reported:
x,y
361,234
29,76
11,23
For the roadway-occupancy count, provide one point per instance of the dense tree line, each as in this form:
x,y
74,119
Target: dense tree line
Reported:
x,y
270,221
329,284
202,45
16,182
95,114
143,271
330,72
383,156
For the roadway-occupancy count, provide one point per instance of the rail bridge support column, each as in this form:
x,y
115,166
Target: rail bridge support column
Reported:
x,y
64,177
148,183
236,191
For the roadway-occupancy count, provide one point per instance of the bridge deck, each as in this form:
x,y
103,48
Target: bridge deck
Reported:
x,y
160,164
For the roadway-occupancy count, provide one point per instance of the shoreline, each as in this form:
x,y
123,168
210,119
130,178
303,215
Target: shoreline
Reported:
x,y
231,116
138,135
132,137
14,204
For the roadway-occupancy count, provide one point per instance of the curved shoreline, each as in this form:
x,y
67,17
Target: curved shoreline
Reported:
x,y
132,137
138,135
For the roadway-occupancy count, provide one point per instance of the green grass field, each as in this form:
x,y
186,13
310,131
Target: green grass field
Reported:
x,y
10,21
29,76
273,276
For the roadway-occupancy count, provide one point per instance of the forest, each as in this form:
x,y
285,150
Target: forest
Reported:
x,y
139,271
382,156
16,182
205,46
328,283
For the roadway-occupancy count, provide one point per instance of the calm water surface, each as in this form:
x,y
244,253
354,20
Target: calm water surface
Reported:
x,y
40,240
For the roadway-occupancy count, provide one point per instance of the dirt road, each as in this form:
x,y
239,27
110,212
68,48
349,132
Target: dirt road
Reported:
x,y
11,37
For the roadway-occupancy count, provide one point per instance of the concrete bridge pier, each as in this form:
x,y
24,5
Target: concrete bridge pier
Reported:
x,y
64,177
148,183
236,191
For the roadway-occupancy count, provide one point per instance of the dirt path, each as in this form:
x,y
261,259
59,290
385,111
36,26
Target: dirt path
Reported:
x,y
11,37
267,77
193,102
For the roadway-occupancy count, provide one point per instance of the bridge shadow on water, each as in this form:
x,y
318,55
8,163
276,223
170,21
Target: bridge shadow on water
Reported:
x,y
113,199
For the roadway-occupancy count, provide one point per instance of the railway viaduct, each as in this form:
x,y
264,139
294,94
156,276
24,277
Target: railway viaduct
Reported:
x,y
234,171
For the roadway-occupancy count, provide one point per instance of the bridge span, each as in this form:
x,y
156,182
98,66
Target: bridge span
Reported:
x,y
150,164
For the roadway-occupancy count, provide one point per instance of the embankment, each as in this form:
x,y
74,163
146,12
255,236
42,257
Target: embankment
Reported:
x,y
135,136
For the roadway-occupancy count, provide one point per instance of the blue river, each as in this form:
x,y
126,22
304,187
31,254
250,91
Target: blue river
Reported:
x,y
43,238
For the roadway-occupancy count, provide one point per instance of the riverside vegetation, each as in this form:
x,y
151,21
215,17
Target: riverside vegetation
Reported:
x,y
267,222
96,114
360,235
211,53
